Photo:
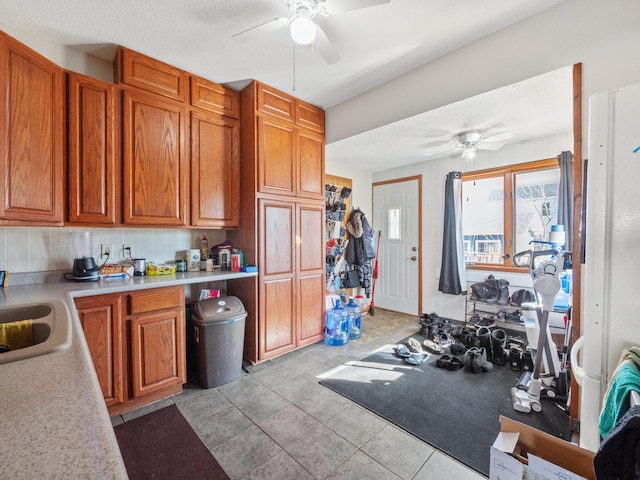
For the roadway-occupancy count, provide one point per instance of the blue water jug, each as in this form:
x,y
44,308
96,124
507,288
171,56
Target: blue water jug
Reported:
x,y
355,320
337,326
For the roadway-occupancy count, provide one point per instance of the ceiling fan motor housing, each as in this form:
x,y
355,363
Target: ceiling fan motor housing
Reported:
x,y
469,139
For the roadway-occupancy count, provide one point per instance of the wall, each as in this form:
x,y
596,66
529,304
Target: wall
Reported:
x,y
433,177
38,249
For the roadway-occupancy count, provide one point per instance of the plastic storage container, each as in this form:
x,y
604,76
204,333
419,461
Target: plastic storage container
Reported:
x,y
218,325
355,319
337,326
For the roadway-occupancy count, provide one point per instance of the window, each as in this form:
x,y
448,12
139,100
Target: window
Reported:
x,y
503,209
393,224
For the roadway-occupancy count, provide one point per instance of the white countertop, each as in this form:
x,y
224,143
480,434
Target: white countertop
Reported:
x,y
53,420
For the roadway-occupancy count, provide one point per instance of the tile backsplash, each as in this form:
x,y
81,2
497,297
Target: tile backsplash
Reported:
x,y
39,249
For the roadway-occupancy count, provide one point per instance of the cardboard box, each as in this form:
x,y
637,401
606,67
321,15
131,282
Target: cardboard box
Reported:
x,y
517,441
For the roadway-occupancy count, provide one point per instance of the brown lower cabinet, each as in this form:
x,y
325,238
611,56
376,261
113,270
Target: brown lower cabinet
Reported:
x,y
137,344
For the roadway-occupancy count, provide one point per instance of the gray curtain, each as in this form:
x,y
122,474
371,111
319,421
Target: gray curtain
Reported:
x,y
565,197
452,271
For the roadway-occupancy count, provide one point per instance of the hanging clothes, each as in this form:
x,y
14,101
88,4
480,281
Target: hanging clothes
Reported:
x,y
361,248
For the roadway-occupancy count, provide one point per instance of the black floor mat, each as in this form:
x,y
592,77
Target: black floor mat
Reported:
x,y
455,411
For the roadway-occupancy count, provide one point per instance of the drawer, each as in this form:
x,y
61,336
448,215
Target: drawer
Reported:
x,y
155,299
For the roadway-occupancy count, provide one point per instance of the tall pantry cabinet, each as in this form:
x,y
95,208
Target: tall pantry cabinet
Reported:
x,y
281,222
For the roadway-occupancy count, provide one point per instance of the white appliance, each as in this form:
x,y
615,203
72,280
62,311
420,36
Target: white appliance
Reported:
x,y
610,312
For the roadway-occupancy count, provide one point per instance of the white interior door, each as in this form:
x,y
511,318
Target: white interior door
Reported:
x,y
396,216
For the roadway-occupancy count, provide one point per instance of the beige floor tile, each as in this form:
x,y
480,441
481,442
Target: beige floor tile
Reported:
x,y
440,466
320,451
400,452
360,466
280,467
222,426
355,424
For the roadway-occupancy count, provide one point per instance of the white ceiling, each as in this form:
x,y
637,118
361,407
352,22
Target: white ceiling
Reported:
x,y
375,44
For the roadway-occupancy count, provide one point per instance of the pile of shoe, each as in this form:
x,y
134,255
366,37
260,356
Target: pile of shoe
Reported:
x,y
432,326
519,358
491,290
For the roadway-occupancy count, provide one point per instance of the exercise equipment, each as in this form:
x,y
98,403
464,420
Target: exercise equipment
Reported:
x,y
545,267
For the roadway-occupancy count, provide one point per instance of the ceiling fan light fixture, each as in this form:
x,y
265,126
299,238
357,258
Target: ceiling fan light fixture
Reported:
x,y
469,153
303,30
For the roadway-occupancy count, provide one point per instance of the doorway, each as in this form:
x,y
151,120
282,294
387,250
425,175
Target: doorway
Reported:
x,y
397,216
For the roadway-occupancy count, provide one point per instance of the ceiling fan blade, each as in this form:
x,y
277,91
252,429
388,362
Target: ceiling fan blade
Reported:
x,y
498,137
450,146
325,47
255,33
490,146
340,6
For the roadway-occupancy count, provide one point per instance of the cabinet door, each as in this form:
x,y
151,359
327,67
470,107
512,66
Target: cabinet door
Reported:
x,y
277,278
310,164
215,170
101,320
32,135
215,98
276,156
155,167
157,351
93,172
310,272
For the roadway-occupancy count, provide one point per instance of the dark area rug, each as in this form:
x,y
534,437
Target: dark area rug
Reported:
x,y
162,445
457,411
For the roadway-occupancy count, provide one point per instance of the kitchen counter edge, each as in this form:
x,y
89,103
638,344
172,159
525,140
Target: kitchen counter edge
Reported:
x,y
52,415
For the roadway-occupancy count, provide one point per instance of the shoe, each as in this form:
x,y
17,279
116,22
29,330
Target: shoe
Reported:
x,y
416,359
446,325
455,364
486,322
514,316
433,347
414,345
446,340
515,359
503,298
444,361
527,362
483,334
498,345
458,349
403,351
475,360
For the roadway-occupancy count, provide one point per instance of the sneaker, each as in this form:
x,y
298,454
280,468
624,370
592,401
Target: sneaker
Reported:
x,y
446,340
414,345
486,322
514,316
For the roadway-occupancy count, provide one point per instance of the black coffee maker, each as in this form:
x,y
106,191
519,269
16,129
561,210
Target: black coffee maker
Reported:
x,y
85,244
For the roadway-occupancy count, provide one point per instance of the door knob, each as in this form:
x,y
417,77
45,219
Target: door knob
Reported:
x,y
413,249
414,258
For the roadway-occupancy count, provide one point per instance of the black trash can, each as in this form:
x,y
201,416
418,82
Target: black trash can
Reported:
x,y
218,327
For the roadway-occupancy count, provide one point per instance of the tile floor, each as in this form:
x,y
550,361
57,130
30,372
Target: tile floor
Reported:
x,y
278,423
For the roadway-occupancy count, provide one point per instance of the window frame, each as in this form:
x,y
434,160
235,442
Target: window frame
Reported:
x,y
508,174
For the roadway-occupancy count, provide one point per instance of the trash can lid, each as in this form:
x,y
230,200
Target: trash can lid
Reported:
x,y
218,310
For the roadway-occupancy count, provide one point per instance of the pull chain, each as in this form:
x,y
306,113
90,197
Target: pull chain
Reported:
x,y
294,67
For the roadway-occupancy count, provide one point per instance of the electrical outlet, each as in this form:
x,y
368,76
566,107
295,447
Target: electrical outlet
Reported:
x,y
126,251
105,250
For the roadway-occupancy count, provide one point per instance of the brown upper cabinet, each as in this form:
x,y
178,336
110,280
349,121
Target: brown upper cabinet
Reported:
x,y
154,162
93,156
215,170
32,143
214,97
290,155
137,70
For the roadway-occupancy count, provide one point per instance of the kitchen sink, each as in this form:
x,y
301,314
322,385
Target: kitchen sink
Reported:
x,y
51,327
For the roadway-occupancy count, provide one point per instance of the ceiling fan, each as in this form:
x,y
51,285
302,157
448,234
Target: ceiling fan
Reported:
x,y
469,142
303,29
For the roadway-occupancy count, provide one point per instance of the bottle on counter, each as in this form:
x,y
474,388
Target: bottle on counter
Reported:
x,y
204,252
